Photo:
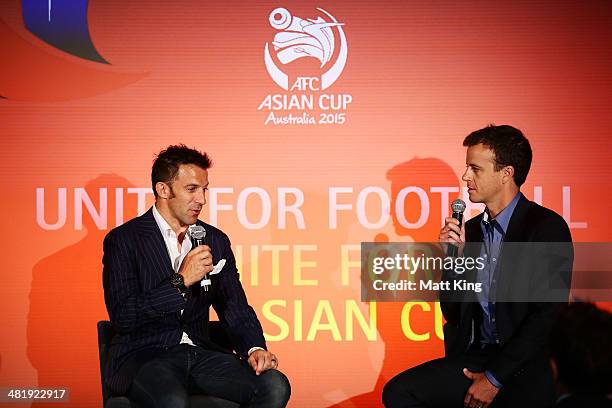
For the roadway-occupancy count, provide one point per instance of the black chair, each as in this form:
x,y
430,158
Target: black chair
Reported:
x,y
105,336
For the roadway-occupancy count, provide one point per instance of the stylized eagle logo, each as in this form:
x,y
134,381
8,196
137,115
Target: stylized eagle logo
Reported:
x,y
299,38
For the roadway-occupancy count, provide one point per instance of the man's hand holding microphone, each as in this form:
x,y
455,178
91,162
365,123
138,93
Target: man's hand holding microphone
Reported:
x,y
453,232
197,263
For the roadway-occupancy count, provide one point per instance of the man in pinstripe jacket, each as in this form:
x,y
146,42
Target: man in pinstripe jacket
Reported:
x,y
156,303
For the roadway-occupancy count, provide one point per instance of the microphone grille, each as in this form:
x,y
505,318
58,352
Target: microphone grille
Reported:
x,y
458,206
197,232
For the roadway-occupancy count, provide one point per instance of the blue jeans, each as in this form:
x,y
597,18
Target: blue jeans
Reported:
x,y
168,380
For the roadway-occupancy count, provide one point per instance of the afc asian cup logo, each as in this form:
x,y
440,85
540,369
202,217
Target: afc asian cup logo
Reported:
x,y
299,38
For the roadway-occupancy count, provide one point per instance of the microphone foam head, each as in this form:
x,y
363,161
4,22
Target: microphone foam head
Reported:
x,y
197,232
458,206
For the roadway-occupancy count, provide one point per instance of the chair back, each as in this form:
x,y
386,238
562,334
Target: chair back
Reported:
x,y
105,337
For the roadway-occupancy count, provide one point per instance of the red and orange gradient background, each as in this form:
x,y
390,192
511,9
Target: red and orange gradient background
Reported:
x,y
422,76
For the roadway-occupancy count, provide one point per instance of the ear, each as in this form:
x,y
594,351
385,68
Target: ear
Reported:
x,y
554,369
508,174
162,189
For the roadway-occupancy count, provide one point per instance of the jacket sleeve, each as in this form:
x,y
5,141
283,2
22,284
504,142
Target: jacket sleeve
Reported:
x,y
528,342
230,303
128,307
450,301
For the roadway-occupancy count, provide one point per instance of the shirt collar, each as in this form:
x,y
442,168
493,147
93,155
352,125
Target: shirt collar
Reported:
x,y
503,218
163,225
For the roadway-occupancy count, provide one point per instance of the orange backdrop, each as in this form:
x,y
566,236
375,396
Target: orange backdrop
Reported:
x,y
420,76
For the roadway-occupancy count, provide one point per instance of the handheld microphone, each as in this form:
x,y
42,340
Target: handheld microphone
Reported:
x,y
197,233
458,207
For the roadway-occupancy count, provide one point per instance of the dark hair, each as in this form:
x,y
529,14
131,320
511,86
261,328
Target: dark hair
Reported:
x,y
510,146
167,162
580,346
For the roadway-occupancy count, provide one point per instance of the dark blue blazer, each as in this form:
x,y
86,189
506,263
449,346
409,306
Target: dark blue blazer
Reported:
x,y
145,309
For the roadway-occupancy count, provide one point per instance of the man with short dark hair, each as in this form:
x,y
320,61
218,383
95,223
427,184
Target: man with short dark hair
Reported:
x,y
496,352
158,290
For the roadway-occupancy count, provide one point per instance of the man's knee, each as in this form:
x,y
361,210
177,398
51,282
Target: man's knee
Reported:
x,y
151,395
173,401
275,386
391,393
396,394
157,385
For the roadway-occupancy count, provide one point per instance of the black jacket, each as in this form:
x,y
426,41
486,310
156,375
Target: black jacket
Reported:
x,y
523,325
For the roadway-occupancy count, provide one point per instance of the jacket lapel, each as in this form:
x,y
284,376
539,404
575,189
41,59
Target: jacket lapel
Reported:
x,y
154,246
516,226
509,257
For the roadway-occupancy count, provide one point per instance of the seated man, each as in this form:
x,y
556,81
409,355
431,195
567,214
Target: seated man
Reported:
x,y
158,288
496,351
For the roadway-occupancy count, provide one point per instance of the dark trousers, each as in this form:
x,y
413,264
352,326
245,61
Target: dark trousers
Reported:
x,y
441,383
168,380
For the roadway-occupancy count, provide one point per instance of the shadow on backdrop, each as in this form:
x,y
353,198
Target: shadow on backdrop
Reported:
x,y
66,301
400,352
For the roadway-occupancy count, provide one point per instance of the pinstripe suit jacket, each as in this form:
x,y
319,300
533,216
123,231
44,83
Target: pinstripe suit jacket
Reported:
x,y
144,308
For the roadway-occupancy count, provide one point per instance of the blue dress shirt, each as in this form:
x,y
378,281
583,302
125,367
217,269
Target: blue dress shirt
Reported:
x,y
493,232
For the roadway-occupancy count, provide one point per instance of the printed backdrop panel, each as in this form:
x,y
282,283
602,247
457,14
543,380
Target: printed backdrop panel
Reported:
x,y
328,123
